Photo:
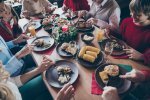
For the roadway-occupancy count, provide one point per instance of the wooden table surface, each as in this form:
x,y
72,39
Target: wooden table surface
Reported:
x,y
83,83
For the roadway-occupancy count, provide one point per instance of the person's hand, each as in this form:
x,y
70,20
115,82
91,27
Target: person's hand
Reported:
x,y
64,8
133,54
110,93
25,14
66,93
134,76
27,49
45,64
81,13
92,21
21,38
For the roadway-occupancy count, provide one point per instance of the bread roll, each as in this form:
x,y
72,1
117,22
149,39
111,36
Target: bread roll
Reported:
x,y
89,58
94,54
103,75
82,52
94,49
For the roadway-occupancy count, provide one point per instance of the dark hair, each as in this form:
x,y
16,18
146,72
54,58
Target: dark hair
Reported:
x,y
1,1
140,6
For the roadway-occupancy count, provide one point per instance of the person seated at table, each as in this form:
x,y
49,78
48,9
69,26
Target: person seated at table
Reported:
x,y
140,92
135,31
104,14
29,86
14,61
9,28
75,5
36,8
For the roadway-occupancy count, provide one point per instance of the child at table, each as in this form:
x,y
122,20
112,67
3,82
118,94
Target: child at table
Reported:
x,y
135,31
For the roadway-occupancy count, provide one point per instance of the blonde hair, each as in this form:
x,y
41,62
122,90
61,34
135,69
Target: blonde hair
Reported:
x,y
139,6
4,75
5,93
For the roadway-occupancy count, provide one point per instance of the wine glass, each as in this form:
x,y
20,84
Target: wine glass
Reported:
x,y
32,31
108,50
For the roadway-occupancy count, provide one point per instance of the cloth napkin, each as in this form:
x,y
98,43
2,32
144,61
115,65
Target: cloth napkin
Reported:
x,y
95,89
47,52
121,57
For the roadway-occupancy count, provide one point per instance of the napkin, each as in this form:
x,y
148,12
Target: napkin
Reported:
x,y
96,89
47,52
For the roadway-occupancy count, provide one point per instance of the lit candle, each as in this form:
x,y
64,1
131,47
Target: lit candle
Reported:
x,y
64,28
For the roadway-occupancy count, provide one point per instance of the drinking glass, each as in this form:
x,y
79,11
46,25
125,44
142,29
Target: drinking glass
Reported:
x,y
108,50
32,31
100,35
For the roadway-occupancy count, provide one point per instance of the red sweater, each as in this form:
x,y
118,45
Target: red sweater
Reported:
x,y
7,32
137,37
76,5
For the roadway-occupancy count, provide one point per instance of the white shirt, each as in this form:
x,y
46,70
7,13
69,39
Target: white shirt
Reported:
x,y
13,84
37,7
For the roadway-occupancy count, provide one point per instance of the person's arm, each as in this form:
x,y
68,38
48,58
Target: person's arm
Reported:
x,y
48,6
146,74
22,79
24,10
13,65
64,7
45,64
146,57
110,93
114,21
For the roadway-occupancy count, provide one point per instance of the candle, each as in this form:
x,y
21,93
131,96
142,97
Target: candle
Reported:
x,y
65,28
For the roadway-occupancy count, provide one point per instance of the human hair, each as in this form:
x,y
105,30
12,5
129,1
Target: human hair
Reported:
x,y
139,6
4,75
1,1
5,93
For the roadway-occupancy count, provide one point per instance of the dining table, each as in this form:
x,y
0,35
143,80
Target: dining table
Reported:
x,y
83,83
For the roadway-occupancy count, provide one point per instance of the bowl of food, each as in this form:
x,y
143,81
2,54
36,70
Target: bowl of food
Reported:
x,y
87,38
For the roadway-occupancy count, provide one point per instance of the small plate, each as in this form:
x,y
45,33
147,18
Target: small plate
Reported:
x,y
46,39
84,29
122,85
52,76
115,52
98,61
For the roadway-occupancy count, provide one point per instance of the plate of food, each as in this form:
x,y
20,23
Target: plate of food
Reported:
x,y
118,46
62,72
90,57
108,75
84,26
67,49
36,24
43,43
87,38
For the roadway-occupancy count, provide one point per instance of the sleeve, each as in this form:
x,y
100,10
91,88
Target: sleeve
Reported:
x,y
147,74
16,80
10,44
13,65
114,21
85,5
46,3
65,3
146,57
24,7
